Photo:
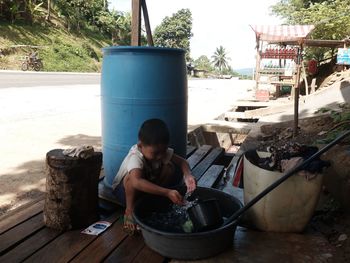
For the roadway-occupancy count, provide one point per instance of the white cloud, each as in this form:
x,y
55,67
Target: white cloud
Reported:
x,y
215,23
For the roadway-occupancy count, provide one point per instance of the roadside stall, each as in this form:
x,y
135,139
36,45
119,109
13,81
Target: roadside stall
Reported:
x,y
278,64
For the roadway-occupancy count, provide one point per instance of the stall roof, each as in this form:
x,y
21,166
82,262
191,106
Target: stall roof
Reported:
x,y
282,33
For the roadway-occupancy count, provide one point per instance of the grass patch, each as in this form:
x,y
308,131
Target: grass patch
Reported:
x,y
59,50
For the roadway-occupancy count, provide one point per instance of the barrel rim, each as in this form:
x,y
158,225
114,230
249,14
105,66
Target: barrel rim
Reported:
x,y
114,49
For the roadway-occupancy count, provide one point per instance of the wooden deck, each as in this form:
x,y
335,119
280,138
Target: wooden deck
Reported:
x,y
24,237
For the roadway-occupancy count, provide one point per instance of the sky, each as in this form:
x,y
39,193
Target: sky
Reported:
x,y
215,23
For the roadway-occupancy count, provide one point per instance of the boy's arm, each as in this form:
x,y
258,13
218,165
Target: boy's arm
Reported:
x,y
190,181
143,185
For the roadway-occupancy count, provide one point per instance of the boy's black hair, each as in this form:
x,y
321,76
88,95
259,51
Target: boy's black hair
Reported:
x,y
154,132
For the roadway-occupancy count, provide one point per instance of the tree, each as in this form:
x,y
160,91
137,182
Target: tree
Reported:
x,y
175,31
203,63
330,17
220,59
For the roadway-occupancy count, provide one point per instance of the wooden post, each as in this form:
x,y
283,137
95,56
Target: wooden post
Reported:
x,y
258,58
313,85
147,24
136,23
296,92
305,79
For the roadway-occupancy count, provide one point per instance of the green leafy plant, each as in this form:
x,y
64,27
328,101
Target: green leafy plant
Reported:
x,y
341,121
175,31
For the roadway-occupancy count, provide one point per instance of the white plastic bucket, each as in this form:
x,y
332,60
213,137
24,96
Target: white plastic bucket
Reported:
x,y
288,207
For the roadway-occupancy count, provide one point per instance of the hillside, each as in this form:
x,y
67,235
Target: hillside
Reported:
x,y
59,49
245,71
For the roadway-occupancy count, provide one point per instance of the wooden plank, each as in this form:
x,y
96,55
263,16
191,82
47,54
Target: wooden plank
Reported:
x,y
198,155
148,255
18,233
228,126
258,113
253,103
30,245
20,214
195,137
236,115
127,251
200,169
228,186
67,245
211,176
136,23
101,247
190,150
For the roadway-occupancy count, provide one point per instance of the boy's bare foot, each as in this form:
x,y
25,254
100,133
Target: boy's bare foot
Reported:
x,y
130,227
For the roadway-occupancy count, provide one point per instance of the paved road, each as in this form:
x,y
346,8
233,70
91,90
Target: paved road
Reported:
x,y
34,79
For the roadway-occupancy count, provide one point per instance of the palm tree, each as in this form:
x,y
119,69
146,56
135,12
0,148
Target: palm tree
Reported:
x,y
220,59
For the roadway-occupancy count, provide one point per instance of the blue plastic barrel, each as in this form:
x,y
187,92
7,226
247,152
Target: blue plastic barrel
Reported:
x,y
140,83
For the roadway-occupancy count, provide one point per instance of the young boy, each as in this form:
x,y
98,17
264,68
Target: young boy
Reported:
x,y
149,168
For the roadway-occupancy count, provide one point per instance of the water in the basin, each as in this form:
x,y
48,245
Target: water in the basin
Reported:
x,y
175,220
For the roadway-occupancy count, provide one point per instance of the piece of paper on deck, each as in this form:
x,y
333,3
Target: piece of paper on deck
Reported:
x,y
96,228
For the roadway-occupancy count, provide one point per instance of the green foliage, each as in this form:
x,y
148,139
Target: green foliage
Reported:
x,y
59,49
331,18
27,10
122,35
76,14
220,59
322,110
66,57
341,121
229,71
203,63
175,31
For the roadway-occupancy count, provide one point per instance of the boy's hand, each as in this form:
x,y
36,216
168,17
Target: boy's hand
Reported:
x,y
175,197
190,182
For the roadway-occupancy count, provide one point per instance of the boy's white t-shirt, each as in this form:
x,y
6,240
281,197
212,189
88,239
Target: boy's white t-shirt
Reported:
x,y
136,160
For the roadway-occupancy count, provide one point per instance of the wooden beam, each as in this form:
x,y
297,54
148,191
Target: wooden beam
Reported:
x,y
258,59
296,93
190,150
258,113
315,43
305,80
228,127
198,155
236,115
211,176
147,24
136,23
203,166
313,85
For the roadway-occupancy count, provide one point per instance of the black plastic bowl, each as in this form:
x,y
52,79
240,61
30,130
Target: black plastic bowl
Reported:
x,y
188,246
